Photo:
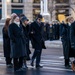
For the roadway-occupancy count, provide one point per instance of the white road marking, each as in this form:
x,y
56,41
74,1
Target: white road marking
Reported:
x,y
52,64
62,57
48,68
51,68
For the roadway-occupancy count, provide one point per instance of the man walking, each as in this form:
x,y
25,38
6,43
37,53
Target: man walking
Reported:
x,y
36,40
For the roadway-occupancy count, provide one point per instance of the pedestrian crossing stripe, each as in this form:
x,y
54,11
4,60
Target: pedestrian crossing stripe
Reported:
x,y
51,60
51,68
57,64
62,57
47,68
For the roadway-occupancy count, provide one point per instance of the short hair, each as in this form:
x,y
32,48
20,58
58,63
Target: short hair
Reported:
x,y
39,16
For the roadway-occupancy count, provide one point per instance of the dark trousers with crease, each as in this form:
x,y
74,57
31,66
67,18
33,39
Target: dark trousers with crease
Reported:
x,y
37,56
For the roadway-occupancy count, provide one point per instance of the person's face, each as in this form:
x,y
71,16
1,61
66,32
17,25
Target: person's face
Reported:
x,y
39,20
25,22
71,20
17,19
50,24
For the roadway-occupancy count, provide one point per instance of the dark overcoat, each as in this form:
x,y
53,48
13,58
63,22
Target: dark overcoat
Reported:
x,y
45,31
61,28
50,32
26,34
72,39
57,31
54,31
6,43
36,35
66,40
17,41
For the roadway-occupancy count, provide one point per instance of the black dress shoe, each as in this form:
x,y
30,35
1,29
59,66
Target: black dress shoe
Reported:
x,y
38,66
32,63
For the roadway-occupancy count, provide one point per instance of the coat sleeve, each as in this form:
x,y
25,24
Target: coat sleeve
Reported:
x,y
5,33
72,35
31,31
63,32
60,29
10,33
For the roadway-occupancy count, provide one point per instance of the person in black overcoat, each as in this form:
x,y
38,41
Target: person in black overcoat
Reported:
x,y
65,36
54,31
6,43
72,38
72,34
61,28
25,27
37,40
18,43
45,31
57,31
51,32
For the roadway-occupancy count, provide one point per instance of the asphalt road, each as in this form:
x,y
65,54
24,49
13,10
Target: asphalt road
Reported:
x,y
52,61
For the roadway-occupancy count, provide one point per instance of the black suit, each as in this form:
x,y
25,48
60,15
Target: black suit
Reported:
x,y
36,39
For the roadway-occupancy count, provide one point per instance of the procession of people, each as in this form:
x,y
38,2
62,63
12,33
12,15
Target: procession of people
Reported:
x,y
18,31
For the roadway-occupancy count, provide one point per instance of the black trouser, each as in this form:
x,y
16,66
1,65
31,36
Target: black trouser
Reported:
x,y
66,62
66,51
37,55
18,62
8,60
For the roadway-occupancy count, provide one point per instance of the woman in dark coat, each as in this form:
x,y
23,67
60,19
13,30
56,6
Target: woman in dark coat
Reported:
x,y
18,43
6,43
25,28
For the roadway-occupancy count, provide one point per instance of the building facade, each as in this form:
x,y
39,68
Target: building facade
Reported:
x,y
57,9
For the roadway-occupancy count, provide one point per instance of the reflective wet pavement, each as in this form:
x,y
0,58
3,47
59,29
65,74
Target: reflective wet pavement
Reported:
x,y
52,61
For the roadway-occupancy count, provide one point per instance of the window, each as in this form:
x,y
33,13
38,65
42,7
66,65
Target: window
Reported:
x,y
17,1
62,1
36,1
35,13
17,11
